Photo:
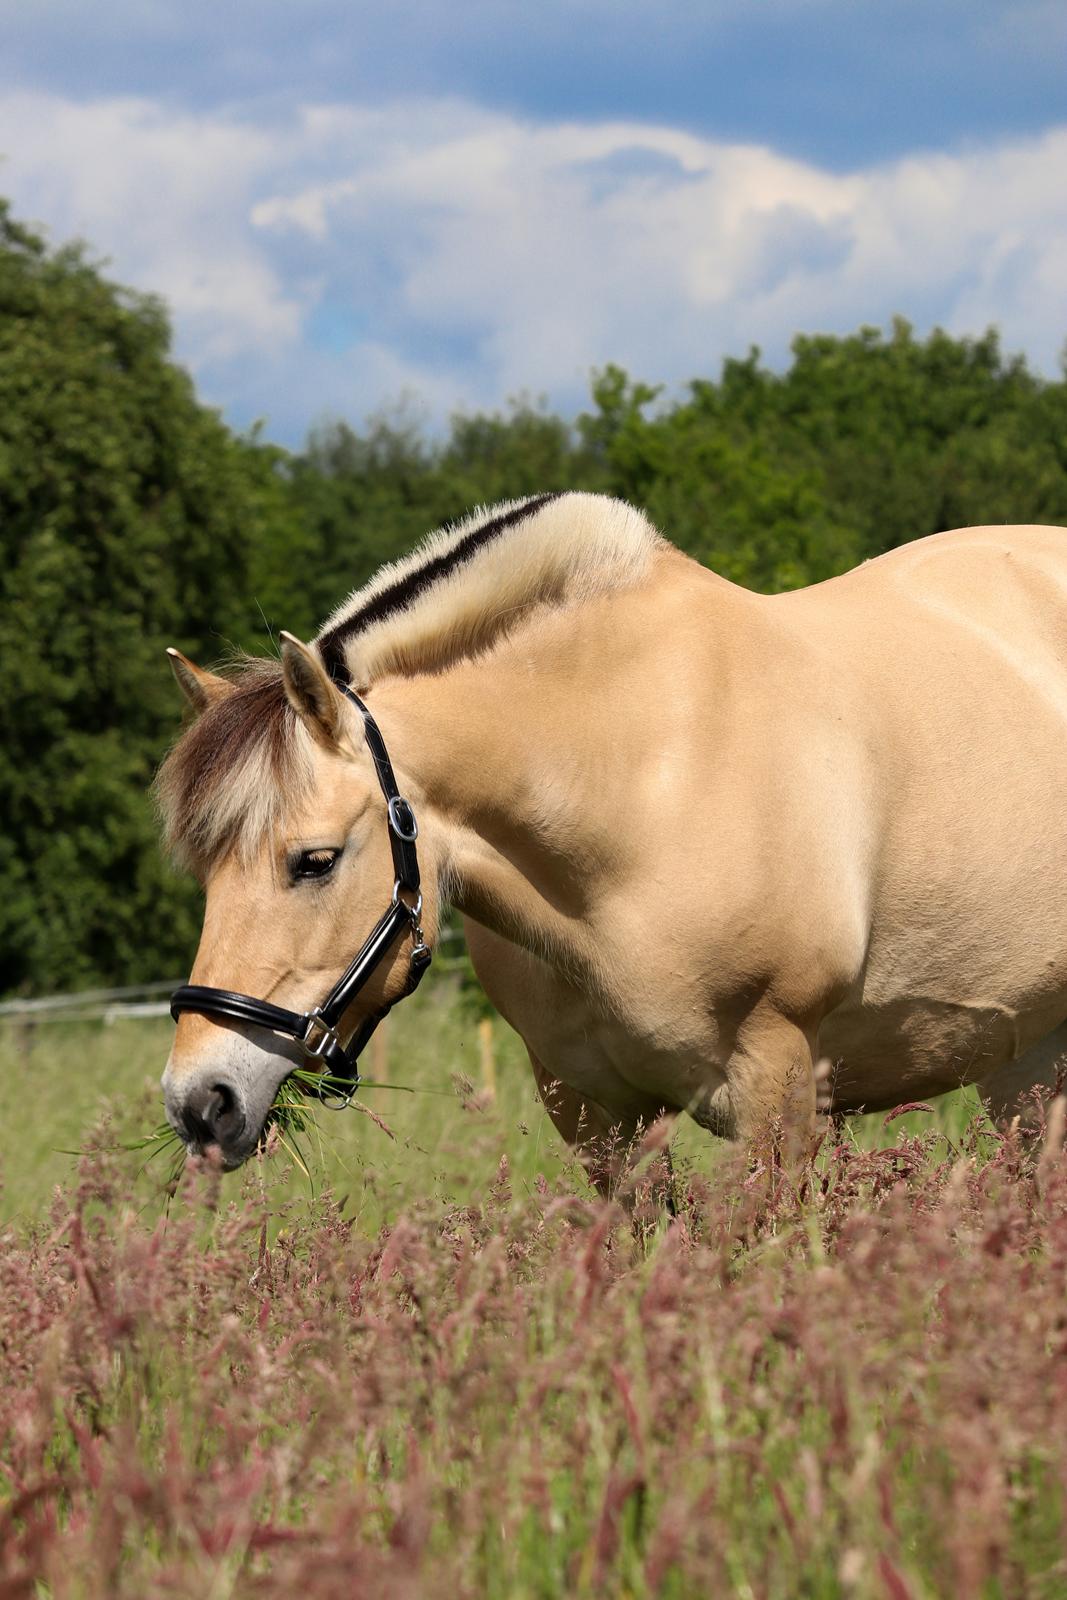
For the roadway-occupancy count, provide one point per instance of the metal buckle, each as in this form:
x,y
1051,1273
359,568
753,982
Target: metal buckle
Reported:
x,y
415,911
398,806
331,1099
327,1035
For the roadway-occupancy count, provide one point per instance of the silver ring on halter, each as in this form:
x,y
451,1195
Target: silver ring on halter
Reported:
x,y
402,819
334,1100
415,911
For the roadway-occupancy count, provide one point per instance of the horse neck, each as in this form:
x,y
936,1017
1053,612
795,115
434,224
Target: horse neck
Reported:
x,y
522,760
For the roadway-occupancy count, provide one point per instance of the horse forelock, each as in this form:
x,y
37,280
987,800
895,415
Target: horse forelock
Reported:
x,y
235,771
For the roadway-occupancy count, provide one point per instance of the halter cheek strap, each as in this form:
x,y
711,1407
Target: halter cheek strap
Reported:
x,y
316,1030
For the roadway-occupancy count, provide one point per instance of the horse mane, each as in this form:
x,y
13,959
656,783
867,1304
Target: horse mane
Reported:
x,y
467,583
247,758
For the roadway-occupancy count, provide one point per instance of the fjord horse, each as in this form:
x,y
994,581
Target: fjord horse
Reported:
x,y
703,839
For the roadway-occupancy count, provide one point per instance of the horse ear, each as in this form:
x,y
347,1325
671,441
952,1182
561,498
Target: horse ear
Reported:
x,y
200,688
312,695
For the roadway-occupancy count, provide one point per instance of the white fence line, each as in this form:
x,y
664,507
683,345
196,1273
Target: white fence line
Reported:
x,y
113,1005
134,992
92,1005
115,1013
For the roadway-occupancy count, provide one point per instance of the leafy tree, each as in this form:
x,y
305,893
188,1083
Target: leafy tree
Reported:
x,y
124,520
715,484
912,436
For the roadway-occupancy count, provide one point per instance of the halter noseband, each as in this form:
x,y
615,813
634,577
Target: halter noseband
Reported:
x,y
316,1030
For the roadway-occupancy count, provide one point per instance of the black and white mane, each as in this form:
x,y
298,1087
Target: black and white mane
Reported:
x,y
465,582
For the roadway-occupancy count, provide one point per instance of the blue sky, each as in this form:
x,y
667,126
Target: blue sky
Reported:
x,y
347,204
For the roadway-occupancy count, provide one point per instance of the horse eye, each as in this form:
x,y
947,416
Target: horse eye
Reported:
x,y
313,863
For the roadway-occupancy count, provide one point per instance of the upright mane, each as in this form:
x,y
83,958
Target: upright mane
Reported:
x,y
467,583
234,773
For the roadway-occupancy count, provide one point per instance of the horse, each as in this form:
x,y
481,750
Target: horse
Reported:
x,y
716,852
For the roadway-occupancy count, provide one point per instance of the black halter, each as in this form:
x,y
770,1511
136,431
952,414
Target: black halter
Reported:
x,y
316,1029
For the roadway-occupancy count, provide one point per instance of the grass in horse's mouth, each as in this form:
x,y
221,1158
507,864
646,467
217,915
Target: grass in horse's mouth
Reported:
x,y
288,1119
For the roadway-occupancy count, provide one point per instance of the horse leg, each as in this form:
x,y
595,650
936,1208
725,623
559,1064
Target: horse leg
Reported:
x,y
606,1142
768,1099
1008,1091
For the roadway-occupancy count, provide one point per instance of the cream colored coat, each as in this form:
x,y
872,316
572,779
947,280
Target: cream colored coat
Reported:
x,y
707,840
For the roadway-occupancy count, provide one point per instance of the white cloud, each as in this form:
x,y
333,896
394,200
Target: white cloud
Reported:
x,y
164,195
341,254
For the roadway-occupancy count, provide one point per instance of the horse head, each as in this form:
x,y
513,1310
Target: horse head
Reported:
x,y
281,797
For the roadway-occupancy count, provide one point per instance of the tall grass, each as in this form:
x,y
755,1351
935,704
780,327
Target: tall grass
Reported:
x,y
458,1374
850,1388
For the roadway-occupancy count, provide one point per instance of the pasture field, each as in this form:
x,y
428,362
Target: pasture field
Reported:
x,y
442,1368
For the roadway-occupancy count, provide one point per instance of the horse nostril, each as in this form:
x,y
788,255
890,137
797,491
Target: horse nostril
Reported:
x,y
211,1116
225,1117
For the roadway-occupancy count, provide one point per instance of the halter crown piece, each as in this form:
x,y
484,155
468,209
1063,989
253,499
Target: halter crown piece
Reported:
x,y
316,1030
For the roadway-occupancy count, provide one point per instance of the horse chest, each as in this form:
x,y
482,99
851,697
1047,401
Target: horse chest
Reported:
x,y
647,1039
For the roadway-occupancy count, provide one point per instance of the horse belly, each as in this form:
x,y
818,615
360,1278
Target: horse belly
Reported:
x,y
965,971
871,1061
877,1056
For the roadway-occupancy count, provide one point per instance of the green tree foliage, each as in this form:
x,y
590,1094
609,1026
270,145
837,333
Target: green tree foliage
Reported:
x,y
124,516
131,518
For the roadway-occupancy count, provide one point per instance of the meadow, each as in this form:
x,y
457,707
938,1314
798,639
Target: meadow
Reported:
x,y
436,1365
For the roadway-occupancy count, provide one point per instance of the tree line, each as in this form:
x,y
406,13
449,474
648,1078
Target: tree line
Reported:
x,y
131,518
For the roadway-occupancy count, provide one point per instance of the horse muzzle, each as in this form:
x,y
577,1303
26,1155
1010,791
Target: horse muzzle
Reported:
x,y
219,1099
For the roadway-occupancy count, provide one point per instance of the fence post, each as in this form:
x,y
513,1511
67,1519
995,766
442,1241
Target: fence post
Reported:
x,y
485,1048
379,1052
26,1037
